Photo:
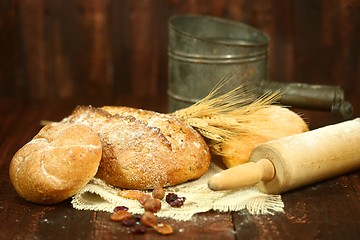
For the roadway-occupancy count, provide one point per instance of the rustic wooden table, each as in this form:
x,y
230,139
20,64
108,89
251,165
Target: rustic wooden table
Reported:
x,y
327,210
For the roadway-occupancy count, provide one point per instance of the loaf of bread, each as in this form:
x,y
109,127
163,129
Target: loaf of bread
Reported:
x,y
56,163
142,149
267,124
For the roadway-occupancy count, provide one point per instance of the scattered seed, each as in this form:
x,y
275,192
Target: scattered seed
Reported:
x,y
131,194
138,224
120,215
148,219
163,228
143,199
152,205
158,192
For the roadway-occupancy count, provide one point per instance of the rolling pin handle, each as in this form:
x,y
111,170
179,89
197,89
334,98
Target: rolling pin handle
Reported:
x,y
244,175
268,169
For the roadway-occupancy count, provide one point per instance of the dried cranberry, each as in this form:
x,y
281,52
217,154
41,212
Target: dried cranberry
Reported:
x,y
141,229
129,222
120,208
137,217
178,202
171,197
174,200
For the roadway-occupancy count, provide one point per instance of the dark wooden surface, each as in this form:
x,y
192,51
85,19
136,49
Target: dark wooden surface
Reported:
x,y
57,54
327,210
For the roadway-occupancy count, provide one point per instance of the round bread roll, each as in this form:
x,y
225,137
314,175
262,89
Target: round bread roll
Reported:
x,y
56,163
142,149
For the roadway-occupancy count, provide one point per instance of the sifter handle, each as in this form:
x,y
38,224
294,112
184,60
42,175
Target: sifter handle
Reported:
x,y
244,175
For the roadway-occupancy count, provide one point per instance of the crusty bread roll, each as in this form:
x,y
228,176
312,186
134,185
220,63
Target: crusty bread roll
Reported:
x,y
270,123
56,163
143,148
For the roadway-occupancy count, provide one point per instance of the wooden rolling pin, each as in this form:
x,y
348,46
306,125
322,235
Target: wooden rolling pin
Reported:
x,y
292,162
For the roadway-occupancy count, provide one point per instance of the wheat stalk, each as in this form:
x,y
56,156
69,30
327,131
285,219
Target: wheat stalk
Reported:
x,y
220,118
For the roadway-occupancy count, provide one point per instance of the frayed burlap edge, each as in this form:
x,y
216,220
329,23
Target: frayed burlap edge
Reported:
x,y
99,196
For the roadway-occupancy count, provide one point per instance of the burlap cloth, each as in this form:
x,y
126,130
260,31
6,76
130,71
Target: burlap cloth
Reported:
x,y
99,196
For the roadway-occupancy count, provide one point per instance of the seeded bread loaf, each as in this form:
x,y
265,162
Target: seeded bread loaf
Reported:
x,y
56,163
143,148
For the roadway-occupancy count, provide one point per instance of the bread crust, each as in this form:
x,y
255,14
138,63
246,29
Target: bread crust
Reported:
x,y
56,163
143,148
272,123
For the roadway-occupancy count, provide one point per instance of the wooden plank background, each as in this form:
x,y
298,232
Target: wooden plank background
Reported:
x,y
107,48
